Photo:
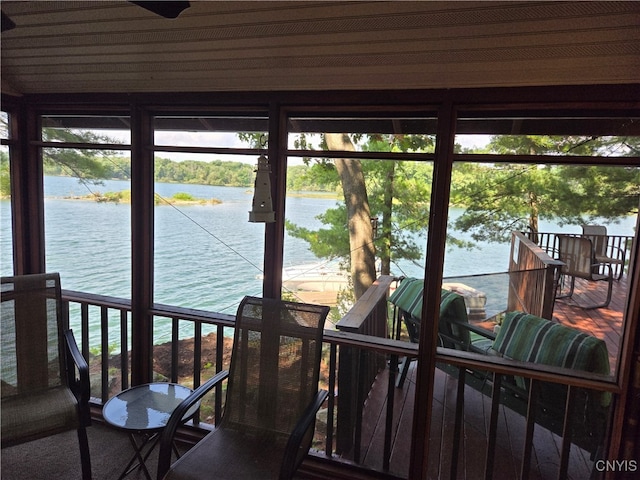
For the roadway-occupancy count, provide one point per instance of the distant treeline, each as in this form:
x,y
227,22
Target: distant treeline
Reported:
x,y
217,172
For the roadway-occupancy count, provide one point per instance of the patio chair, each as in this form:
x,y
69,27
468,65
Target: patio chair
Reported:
x,y
579,260
271,402
454,329
604,253
45,379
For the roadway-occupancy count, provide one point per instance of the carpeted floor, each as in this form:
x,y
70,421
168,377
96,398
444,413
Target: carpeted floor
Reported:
x,y
58,457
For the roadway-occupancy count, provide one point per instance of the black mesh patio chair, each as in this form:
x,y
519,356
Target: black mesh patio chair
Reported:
x,y
271,402
579,260
45,379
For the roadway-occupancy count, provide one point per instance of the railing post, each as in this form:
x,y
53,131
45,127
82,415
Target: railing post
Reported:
x,y
347,379
368,316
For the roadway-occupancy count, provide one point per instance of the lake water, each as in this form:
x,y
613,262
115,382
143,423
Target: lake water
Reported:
x,y
206,256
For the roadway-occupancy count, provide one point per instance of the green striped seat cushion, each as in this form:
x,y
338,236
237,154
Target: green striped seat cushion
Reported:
x,y
408,298
529,338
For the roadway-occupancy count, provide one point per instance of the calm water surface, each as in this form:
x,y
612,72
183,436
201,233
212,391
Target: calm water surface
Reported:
x,y
206,256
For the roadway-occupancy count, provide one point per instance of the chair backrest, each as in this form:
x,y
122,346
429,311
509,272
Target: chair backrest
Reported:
x,y
577,255
529,338
32,334
275,364
598,236
408,298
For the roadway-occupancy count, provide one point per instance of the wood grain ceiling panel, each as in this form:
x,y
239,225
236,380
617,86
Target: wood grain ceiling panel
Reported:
x,y
115,46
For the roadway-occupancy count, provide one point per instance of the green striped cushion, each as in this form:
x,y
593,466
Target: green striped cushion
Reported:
x,y
453,309
529,338
408,297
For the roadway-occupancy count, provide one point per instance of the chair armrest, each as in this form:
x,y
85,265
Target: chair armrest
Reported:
x,y
290,459
177,418
472,328
80,384
605,265
616,252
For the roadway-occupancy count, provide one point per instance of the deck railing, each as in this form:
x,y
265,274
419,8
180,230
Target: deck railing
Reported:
x,y
360,366
110,371
549,242
562,464
353,358
532,278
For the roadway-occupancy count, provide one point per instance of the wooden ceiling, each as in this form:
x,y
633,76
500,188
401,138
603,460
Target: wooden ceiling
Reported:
x,y
116,46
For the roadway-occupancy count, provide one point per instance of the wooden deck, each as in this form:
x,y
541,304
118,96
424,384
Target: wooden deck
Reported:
x,y
605,323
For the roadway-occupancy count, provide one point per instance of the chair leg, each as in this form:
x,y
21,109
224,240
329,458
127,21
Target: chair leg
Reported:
x,y
403,372
609,290
85,456
573,285
560,286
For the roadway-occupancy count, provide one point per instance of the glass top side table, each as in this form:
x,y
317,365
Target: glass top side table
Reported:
x,y
144,410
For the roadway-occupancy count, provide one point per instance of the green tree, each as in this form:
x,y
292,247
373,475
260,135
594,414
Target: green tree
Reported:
x,y
362,259
5,184
83,163
394,193
505,197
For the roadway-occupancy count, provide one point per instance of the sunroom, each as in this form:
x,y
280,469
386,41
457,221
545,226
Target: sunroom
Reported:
x,y
446,170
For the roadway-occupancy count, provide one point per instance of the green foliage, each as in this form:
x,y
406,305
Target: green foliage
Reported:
x,y
398,195
114,197
85,164
217,172
505,197
183,196
330,242
312,178
5,182
498,198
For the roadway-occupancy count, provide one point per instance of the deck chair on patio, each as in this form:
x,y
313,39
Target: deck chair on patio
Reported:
x,y
454,329
271,402
579,260
45,379
603,252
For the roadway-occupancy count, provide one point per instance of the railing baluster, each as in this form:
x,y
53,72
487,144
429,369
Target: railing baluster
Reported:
x,y
197,354
530,426
458,422
219,368
84,327
124,350
360,395
566,434
333,353
388,427
104,352
197,361
175,343
493,426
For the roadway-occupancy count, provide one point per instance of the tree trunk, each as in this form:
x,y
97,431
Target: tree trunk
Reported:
x,y
363,267
533,216
387,211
